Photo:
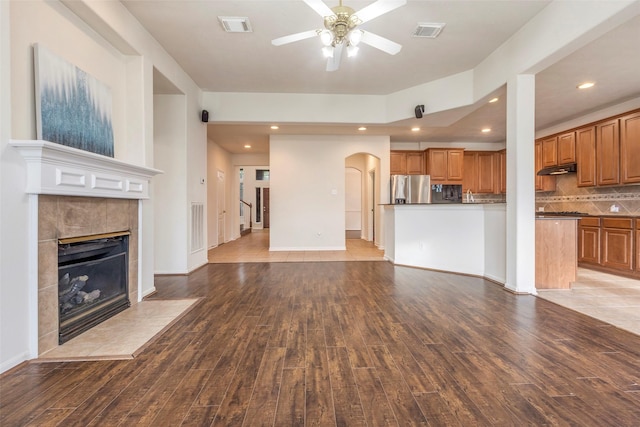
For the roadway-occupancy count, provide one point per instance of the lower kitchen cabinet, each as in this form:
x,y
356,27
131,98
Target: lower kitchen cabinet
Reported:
x,y
589,240
610,244
637,248
617,243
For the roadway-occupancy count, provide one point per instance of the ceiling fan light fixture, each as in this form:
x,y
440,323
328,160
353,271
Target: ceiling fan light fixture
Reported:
x,y
355,36
326,37
327,51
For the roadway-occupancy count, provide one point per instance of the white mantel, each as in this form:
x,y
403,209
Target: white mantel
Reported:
x,y
60,170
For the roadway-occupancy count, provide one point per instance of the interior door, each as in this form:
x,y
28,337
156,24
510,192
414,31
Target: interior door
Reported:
x,y
221,208
371,220
265,207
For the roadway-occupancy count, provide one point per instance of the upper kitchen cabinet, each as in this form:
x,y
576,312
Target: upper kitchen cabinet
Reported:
x,y
630,148
406,163
549,152
415,163
547,182
479,172
501,172
566,152
608,153
445,165
398,164
586,156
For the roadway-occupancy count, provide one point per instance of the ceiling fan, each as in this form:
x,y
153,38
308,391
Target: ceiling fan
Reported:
x,y
340,30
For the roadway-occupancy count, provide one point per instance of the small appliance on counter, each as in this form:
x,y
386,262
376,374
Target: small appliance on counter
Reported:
x,y
446,193
410,189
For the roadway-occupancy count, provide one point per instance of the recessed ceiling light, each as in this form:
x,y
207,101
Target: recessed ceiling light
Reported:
x,y
415,129
275,127
247,146
492,100
362,128
586,85
486,130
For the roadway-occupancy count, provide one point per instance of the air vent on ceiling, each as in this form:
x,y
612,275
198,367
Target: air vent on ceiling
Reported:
x,y
235,24
428,29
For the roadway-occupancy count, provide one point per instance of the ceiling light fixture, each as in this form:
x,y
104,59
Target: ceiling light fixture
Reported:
x,y
492,100
362,128
275,127
415,129
586,85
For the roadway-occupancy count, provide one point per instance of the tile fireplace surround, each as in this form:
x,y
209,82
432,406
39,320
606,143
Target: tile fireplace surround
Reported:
x,y
75,193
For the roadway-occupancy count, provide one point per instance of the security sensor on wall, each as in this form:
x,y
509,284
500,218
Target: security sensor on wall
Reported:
x,y
419,110
205,116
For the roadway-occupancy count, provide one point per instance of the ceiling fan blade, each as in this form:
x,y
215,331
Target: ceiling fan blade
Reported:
x,y
381,43
320,8
378,8
294,37
334,63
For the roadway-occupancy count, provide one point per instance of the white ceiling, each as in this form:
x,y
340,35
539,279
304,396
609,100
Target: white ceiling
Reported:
x,y
248,62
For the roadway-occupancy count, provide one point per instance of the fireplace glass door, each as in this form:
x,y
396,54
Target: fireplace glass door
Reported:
x,y
92,281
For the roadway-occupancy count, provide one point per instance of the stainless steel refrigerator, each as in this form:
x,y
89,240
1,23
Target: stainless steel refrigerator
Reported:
x,y
408,189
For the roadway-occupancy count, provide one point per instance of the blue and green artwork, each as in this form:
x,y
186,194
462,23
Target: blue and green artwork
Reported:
x,y
72,107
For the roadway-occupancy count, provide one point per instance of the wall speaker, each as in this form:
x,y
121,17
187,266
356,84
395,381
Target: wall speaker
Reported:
x,y
419,110
205,116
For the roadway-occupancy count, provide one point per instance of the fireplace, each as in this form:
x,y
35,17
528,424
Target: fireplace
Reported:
x,y
76,193
92,281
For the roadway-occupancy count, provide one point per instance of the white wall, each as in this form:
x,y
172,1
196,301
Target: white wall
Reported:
x,y
307,188
119,52
170,201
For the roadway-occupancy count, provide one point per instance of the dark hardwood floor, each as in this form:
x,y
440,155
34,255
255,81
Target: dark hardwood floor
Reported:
x,y
349,344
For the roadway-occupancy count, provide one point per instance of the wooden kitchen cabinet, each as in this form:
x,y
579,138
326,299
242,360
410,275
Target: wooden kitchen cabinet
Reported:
x,y
608,153
470,179
566,152
617,243
501,172
445,165
630,148
589,240
479,172
415,163
543,183
586,156
406,162
637,261
549,151
398,164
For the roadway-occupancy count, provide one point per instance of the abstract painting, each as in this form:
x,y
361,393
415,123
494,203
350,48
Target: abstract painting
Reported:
x,y
72,107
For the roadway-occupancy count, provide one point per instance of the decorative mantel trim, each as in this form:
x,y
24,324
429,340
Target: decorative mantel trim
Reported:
x,y
60,170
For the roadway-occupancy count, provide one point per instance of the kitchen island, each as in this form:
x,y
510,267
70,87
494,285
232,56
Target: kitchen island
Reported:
x,y
556,251
459,238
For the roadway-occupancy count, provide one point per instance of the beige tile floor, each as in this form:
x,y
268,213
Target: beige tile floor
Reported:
x,y
612,299
125,334
254,247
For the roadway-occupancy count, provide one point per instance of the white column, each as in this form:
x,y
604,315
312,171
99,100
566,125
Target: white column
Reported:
x,y
521,184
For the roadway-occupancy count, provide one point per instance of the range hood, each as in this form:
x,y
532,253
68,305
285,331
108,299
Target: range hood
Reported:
x,y
558,170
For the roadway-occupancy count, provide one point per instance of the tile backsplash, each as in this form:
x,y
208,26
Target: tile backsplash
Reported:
x,y
591,200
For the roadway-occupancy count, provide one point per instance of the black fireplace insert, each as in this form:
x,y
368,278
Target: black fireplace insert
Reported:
x,y
92,281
